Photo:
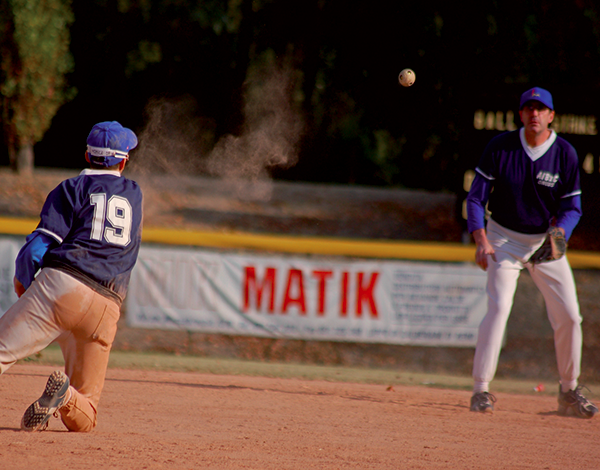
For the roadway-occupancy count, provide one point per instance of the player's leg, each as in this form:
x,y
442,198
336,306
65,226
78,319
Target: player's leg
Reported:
x,y
503,274
86,349
501,287
41,306
29,325
555,281
86,321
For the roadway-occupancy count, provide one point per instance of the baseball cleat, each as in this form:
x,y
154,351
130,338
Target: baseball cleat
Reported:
x,y
483,402
573,403
54,397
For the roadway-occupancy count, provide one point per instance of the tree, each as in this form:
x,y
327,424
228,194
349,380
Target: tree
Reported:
x,y
34,42
360,126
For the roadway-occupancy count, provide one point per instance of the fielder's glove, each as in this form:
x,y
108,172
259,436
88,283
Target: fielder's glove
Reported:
x,y
553,248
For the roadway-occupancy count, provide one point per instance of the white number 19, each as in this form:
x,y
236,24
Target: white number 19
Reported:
x,y
118,213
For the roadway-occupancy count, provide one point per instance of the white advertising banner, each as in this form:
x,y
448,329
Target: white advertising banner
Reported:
x,y
432,304
9,249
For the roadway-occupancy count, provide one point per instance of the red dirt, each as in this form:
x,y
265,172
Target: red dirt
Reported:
x,y
176,420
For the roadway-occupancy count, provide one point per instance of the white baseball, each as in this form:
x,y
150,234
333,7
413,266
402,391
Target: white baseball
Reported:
x,y
407,77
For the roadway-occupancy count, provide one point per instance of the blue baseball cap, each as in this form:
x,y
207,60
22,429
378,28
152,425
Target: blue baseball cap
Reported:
x,y
109,143
537,94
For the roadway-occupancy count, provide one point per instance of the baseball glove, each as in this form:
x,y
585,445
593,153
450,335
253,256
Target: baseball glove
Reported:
x,y
553,248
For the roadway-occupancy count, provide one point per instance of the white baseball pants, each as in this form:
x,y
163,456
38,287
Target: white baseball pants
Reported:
x,y
557,285
84,323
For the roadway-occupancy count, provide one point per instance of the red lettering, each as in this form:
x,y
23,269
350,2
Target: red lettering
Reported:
x,y
322,279
295,282
344,295
365,294
251,284
260,292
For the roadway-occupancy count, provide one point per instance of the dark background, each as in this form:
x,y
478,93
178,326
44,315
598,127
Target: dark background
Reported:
x,y
346,57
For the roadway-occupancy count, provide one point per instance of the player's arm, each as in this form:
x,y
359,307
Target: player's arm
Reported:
x,y
29,259
476,201
569,213
55,222
569,208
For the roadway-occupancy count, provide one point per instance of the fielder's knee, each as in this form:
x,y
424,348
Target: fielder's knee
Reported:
x,y
79,415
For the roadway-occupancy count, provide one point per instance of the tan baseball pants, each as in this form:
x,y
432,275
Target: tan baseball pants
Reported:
x,y
57,307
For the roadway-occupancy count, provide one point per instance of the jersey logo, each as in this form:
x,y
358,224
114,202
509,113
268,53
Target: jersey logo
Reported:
x,y
545,178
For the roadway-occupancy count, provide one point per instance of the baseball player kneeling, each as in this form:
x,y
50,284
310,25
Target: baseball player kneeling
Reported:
x,y
86,244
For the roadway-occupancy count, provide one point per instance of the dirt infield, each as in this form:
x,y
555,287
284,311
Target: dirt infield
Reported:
x,y
190,420
179,420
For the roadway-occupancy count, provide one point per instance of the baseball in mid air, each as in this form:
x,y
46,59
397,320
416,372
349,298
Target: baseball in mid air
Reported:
x,y
407,77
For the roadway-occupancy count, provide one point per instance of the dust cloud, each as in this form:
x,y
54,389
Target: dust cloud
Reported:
x,y
270,135
174,138
176,141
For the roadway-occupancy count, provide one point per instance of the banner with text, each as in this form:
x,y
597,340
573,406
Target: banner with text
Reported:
x,y
9,249
432,304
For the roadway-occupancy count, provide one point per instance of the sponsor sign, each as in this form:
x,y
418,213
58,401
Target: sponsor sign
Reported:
x,y
9,249
413,303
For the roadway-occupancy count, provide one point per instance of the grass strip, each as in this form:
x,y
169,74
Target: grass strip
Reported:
x,y
225,366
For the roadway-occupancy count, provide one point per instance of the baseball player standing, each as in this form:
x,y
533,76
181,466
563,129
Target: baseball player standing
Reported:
x,y
535,205
86,244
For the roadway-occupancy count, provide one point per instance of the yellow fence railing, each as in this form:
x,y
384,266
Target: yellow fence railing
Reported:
x,y
327,246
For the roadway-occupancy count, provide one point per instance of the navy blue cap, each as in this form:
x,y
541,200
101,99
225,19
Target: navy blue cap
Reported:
x,y
109,143
537,94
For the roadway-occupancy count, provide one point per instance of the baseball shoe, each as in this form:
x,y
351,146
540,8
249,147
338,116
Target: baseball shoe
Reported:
x,y
573,403
54,397
483,402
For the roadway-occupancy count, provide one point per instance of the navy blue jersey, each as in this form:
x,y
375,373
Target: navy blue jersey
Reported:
x,y
527,192
96,219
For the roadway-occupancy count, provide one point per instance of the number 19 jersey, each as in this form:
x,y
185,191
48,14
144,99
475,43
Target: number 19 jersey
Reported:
x,y
96,218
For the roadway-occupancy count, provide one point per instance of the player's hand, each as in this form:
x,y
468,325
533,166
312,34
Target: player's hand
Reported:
x,y
19,289
482,253
484,249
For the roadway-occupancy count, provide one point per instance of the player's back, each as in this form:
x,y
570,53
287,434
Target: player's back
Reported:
x,y
97,218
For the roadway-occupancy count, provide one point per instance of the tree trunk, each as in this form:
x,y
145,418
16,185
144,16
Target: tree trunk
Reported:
x,y
24,161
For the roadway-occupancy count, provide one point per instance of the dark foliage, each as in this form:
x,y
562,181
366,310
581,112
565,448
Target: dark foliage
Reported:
x,y
360,126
